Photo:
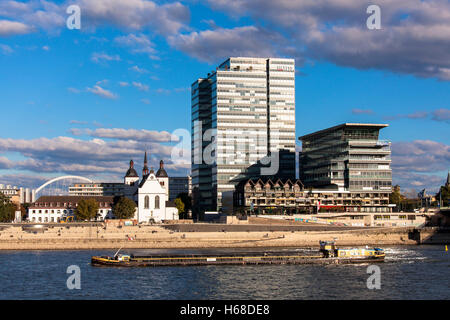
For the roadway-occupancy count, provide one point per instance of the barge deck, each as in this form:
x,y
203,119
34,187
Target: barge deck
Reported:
x,y
258,258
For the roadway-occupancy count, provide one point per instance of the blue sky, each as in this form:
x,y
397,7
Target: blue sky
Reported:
x,y
86,101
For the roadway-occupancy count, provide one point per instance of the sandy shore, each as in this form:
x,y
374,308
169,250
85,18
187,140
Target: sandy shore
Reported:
x,y
134,237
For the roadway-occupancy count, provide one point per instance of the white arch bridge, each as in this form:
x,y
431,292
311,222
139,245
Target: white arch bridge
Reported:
x,y
61,188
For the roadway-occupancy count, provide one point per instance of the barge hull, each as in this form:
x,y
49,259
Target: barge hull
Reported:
x,y
249,261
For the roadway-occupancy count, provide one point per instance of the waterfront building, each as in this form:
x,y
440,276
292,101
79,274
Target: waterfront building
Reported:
x,y
54,208
347,157
292,198
241,113
179,185
279,196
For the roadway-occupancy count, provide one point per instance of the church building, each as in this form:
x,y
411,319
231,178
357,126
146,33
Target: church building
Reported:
x,y
151,193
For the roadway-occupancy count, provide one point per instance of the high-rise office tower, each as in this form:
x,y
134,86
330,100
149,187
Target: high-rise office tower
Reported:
x,y
242,112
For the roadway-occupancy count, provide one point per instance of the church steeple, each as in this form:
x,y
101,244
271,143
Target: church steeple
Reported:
x,y
145,171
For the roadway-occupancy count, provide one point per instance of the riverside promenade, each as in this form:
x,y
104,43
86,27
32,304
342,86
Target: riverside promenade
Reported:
x,y
198,235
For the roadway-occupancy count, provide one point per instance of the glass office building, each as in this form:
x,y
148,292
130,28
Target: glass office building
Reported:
x,y
349,157
241,112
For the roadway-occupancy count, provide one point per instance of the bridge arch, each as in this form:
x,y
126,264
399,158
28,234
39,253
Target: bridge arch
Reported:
x,y
62,178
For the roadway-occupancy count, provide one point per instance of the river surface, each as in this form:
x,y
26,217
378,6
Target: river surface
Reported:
x,y
409,272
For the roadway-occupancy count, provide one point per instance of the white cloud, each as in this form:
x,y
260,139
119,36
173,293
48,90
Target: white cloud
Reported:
x,y
138,70
102,92
11,28
138,44
441,115
5,163
166,18
129,134
101,57
218,44
419,161
414,36
96,157
140,86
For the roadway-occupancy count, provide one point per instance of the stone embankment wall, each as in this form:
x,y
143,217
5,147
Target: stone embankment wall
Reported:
x,y
98,237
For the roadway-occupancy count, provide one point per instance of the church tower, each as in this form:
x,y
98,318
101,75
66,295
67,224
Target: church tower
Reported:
x,y
163,178
131,177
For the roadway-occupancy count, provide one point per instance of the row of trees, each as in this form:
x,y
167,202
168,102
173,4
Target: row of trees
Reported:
x,y
124,208
87,209
405,204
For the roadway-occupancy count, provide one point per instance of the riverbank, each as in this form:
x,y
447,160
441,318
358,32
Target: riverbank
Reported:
x,y
66,237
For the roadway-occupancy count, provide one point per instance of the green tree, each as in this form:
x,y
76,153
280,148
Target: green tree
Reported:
x,y
124,208
187,201
396,198
7,209
444,195
87,209
180,206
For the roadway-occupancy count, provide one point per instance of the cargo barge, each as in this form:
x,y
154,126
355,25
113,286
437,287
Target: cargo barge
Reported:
x,y
328,254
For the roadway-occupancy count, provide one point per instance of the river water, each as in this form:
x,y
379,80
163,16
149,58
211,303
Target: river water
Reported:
x,y
409,272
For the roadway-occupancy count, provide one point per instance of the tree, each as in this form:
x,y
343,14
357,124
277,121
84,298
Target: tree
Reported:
x,y
87,209
395,197
444,195
180,206
187,201
24,210
7,209
124,208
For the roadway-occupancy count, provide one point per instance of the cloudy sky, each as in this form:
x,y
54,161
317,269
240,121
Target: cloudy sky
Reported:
x,y
87,101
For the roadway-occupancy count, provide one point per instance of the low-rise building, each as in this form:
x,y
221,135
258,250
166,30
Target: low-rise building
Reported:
x,y
54,208
291,197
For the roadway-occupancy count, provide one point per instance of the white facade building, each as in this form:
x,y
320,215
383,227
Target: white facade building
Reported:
x,y
53,208
152,194
248,106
